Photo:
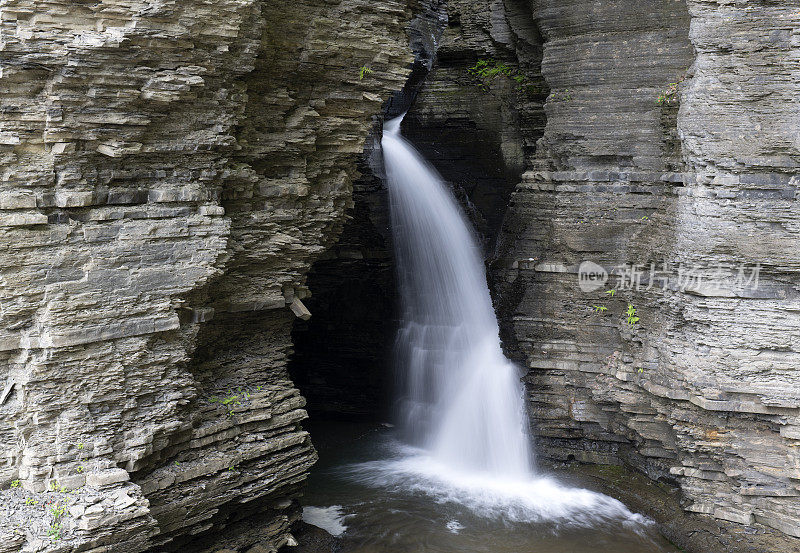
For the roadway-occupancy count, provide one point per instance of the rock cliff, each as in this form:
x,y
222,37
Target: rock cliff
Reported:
x,y
170,171
700,385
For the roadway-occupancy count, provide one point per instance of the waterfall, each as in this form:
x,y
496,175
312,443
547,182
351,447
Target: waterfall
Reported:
x,y
461,404
461,399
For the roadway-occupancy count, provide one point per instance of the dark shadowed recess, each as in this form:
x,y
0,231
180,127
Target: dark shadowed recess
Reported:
x,y
342,360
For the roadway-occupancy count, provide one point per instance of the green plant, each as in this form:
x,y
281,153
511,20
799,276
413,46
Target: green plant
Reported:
x,y
487,70
641,370
670,95
363,72
15,483
631,315
54,531
645,218
234,399
611,293
563,96
31,501
79,470
80,445
54,487
600,308
55,528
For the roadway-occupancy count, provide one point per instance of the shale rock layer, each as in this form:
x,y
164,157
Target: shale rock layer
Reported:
x,y
170,170
669,159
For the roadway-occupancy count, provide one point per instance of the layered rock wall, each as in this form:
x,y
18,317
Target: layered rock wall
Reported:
x,y
701,390
170,170
479,132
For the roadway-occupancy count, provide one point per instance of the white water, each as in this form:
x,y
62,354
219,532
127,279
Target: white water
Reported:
x,y
331,519
462,401
461,398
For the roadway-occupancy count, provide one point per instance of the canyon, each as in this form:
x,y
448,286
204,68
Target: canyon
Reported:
x,y
184,183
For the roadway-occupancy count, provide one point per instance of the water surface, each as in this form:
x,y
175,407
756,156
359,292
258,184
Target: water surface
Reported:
x,y
383,498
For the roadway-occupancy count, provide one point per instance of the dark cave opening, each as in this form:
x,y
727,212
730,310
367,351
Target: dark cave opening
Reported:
x,y
342,354
475,138
342,361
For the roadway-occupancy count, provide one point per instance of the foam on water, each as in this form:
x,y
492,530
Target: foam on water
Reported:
x,y
331,519
454,526
534,499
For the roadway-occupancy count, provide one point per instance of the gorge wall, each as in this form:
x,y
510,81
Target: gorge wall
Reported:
x,y
170,171
703,390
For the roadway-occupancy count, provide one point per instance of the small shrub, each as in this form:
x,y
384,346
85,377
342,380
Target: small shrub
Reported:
x,y
670,95
231,400
54,532
561,96
55,528
54,487
15,483
487,70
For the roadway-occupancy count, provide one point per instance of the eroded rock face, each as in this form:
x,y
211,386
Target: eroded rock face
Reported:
x,y
702,390
170,171
478,132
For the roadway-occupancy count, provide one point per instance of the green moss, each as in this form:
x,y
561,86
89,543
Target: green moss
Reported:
x,y
487,70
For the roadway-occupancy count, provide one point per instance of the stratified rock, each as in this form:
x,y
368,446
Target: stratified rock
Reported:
x,y
702,390
170,170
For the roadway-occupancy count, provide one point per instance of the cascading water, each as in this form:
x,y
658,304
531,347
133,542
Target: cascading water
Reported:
x,y
466,483
462,400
